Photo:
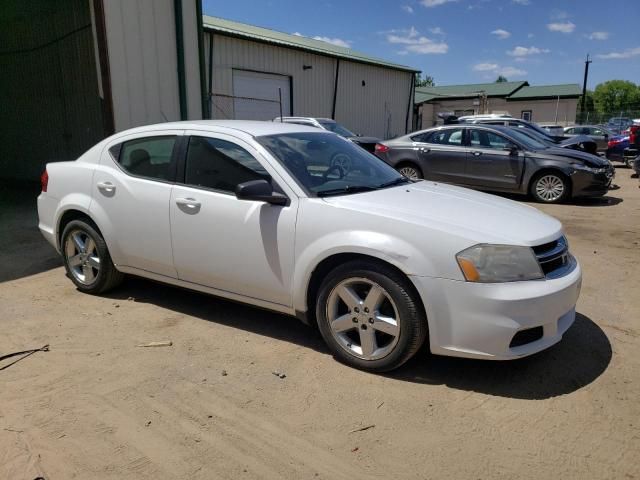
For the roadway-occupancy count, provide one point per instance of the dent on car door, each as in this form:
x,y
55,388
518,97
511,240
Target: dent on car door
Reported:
x,y
492,162
238,246
444,157
130,201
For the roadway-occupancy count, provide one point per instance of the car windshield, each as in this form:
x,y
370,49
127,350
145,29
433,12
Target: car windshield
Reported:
x,y
335,127
527,141
325,164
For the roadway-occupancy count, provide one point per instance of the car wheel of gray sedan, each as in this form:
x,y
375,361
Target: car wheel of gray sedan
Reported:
x,y
86,258
370,316
550,187
410,171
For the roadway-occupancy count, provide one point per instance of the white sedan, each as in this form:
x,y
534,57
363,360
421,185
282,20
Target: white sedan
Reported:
x,y
258,212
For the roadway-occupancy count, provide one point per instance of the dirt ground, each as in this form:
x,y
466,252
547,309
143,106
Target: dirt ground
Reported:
x,y
96,406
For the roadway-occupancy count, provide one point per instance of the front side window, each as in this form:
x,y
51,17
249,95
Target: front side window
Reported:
x,y
570,131
326,164
148,157
485,139
220,165
447,137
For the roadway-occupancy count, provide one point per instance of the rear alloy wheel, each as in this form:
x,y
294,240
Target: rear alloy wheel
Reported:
x,y
369,316
87,260
550,188
410,172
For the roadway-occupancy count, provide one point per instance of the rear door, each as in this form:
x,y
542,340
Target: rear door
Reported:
x,y
443,155
131,193
491,162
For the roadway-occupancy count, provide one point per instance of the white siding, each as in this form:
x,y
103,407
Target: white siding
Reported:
x,y
378,109
141,43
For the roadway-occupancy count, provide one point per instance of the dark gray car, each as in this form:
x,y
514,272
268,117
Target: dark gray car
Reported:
x,y
500,159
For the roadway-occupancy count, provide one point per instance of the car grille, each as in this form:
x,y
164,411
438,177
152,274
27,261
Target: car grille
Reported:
x,y
553,257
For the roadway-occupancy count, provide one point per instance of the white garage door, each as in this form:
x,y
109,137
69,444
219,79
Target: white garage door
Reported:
x,y
259,95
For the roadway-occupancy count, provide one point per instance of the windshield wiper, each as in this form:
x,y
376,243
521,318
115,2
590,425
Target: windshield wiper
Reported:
x,y
395,181
347,189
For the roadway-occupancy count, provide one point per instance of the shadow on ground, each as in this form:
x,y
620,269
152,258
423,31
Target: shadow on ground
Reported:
x,y
580,358
23,249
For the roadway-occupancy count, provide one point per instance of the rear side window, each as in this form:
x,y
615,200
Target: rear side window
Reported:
x,y
146,157
447,137
220,165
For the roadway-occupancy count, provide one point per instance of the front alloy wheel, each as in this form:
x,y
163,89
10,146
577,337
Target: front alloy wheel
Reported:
x,y
370,315
550,188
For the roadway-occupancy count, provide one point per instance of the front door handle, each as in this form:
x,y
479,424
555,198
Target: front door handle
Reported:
x,y
106,187
476,154
190,203
425,150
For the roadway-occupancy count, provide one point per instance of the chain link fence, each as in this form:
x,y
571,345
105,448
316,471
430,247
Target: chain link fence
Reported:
x,y
602,118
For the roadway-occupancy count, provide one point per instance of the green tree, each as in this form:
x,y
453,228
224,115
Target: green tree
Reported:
x,y
501,79
427,81
616,96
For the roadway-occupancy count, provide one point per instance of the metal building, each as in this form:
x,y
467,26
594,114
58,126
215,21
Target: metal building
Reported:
x,y
75,71
254,73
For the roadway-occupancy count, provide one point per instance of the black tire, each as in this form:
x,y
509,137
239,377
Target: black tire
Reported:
x,y
107,276
556,176
412,320
410,170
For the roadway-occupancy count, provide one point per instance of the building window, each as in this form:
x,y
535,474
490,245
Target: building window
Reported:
x,y
527,115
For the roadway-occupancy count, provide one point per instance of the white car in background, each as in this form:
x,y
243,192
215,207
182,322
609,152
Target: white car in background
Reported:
x,y
255,212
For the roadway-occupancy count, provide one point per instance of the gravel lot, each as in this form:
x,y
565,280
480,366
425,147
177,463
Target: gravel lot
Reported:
x,y
96,406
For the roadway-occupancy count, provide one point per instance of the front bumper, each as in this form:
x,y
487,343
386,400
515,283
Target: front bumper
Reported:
x,y
587,184
476,320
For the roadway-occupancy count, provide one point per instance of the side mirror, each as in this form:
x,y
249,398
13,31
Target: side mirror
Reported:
x,y
513,149
260,191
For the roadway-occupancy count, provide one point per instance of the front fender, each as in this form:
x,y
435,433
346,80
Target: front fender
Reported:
x,y
385,247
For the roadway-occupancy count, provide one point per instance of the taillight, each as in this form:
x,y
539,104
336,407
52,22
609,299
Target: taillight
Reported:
x,y
633,134
44,180
380,148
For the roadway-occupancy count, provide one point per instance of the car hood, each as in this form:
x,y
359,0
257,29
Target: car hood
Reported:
x,y
576,139
588,158
365,139
476,216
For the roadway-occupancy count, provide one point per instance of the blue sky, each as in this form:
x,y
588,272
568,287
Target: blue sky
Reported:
x,y
467,41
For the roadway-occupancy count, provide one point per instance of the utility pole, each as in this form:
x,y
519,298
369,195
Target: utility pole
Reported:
x,y
584,85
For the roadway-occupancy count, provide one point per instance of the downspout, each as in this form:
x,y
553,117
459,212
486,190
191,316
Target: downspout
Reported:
x,y
335,90
108,120
410,106
182,81
203,79
210,90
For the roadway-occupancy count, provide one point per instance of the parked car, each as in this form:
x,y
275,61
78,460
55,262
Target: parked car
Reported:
x,y
576,142
580,142
553,130
619,124
498,158
368,143
616,148
381,264
600,135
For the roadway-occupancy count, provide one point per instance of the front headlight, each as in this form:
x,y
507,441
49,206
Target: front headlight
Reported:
x,y
499,263
586,168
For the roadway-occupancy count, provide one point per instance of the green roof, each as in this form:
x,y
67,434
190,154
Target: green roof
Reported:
x,y
569,90
495,89
265,35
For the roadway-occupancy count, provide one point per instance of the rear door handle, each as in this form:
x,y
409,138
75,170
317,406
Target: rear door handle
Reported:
x,y
477,154
106,187
190,203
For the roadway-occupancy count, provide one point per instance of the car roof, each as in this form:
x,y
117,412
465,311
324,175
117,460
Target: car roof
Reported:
x,y
254,128
319,119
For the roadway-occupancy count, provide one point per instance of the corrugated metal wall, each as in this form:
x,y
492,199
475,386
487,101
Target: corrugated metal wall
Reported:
x,y
50,108
373,100
379,108
141,38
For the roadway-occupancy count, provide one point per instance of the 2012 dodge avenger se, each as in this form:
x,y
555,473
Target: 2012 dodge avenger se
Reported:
x,y
256,212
